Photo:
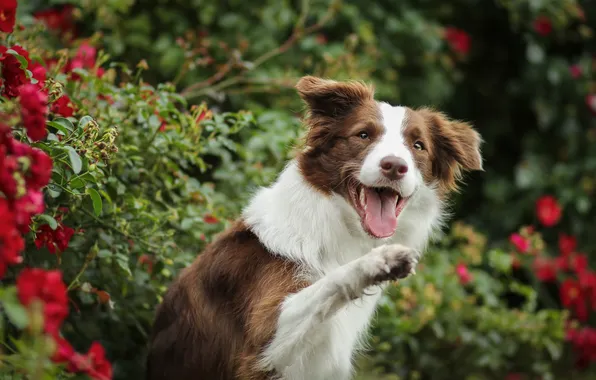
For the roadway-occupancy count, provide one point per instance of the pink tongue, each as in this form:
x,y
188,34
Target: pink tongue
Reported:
x,y
380,215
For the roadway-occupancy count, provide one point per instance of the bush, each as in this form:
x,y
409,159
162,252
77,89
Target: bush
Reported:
x,y
151,158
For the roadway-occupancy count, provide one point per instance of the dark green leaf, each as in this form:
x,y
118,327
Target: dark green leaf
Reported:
x,y
96,199
49,220
75,160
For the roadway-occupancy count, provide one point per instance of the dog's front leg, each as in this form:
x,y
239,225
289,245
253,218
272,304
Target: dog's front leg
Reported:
x,y
303,312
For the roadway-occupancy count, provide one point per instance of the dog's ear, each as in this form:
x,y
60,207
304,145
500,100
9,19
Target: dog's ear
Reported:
x,y
333,99
456,147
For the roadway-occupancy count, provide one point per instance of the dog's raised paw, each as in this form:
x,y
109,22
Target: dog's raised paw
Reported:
x,y
391,262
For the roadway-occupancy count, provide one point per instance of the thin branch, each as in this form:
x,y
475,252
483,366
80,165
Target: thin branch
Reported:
x,y
298,32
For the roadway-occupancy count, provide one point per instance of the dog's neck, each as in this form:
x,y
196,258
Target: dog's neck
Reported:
x,y
321,232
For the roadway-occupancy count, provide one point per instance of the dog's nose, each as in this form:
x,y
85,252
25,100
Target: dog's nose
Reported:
x,y
394,167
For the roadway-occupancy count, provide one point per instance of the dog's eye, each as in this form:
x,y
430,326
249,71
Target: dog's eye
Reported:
x,y
363,135
418,145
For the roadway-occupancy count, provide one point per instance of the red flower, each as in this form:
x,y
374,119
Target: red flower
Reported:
x,y
14,76
575,71
8,168
463,274
543,26
11,241
570,292
520,243
8,12
27,206
587,281
548,210
34,111
567,244
63,352
84,59
579,262
63,106
54,238
146,259
591,103
545,269
210,219
47,287
458,40
58,19
39,72
40,170
100,368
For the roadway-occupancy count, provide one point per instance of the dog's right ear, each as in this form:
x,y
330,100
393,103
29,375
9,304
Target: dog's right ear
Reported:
x,y
329,98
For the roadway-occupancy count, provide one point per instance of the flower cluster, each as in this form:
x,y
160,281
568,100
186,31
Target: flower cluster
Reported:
x,y
24,172
570,268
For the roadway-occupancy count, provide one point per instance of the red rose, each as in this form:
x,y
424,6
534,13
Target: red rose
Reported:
x,y
60,20
11,241
8,12
39,72
210,219
567,244
548,210
63,106
40,170
47,287
543,26
14,76
579,262
545,269
63,352
464,275
34,111
570,292
100,368
587,281
52,239
8,168
520,243
27,206
458,40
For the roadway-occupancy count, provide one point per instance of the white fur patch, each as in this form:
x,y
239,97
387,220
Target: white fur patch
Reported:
x,y
392,143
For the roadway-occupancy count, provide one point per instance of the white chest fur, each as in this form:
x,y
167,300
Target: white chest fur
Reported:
x,y
323,235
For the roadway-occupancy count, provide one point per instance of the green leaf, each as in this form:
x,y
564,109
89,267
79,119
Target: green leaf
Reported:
x,y
96,199
22,60
13,308
49,220
84,121
75,160
62,124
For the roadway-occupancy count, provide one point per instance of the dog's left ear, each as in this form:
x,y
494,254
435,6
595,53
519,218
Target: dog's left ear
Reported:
x,y
332,99
456,147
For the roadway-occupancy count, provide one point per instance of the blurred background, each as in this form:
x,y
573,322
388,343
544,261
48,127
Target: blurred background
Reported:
x,y
202,94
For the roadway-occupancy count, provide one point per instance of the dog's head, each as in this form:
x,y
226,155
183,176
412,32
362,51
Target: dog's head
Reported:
x,y
377,156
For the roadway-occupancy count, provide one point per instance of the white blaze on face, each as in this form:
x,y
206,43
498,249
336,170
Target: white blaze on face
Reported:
x,y
391,143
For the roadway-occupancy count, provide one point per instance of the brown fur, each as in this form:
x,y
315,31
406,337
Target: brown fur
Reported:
x,y
338,113
221,311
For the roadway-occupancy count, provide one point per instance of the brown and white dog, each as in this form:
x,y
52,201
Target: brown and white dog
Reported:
x,y
289,290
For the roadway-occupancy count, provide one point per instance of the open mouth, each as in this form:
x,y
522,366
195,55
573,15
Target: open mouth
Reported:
x,y
379,208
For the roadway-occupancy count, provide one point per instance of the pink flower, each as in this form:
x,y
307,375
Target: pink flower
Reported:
x,y
464,275
575,71
519,242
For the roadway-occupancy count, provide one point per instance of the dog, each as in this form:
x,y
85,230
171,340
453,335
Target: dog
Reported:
x,y
288,291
